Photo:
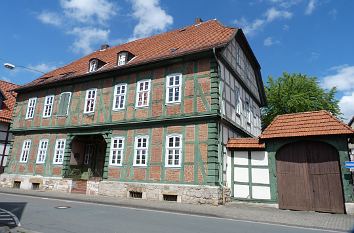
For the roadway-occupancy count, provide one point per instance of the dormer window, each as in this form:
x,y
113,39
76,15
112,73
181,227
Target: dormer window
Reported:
x,y
122,58
93,65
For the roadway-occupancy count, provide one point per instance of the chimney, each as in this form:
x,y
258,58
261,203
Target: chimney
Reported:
x,y
104,46
198,20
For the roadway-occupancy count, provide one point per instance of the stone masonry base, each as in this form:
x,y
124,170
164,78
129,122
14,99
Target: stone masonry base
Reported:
x,y
192,194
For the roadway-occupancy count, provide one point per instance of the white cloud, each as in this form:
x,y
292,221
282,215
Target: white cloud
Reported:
x,y
285,3
89,11
273,14
270,15
343,78
249,28
311,6
51,18
42,67
269,41
87,37
346,104
333,13
151,18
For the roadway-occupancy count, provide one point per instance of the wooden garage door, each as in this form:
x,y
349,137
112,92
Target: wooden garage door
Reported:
x,y
309,177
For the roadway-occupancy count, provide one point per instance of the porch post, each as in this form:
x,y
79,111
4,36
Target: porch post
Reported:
x,y
67,155
107,137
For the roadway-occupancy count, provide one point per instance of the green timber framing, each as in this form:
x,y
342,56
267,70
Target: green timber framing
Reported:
x,y
211,118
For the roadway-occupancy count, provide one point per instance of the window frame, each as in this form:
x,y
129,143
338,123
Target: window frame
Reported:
x,y
34,99
60,160
68,107
173,86
87,99
91,65
116,96
116,149
45,151
121,54
50,106
180,148
139,91
28,150
146,137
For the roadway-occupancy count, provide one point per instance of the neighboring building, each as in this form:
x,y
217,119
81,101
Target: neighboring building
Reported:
x,y
298,162
7,104
150,118
351,142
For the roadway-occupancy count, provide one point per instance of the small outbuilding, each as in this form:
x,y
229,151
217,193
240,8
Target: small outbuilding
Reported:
x,y
298,162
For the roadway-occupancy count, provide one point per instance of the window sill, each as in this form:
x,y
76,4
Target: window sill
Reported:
x,y
115,165
141,107
89,113
57,163
138,165
173,103
173,167
61,116
119,110
23,161
40,162
46,117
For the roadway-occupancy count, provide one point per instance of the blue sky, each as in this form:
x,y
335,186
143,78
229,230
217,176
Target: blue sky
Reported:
x,y
313,37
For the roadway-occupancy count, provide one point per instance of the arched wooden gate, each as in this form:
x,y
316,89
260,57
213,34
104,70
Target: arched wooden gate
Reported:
x,y
309,177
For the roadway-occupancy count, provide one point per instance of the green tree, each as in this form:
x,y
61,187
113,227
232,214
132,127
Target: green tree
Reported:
x,y
293,93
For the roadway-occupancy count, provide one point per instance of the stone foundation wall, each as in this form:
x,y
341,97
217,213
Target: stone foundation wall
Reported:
x,y
45,183
193,194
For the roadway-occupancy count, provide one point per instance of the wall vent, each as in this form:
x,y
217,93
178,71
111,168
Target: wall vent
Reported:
x,y
134,194
17,184
169,197
35,186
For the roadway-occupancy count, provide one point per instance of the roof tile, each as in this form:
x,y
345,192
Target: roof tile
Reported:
x,y
9,104
245,143
302,124
194,38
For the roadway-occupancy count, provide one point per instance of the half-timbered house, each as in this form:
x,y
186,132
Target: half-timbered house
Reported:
x,y
146,119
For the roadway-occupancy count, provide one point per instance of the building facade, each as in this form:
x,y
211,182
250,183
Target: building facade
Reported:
x,y
147,119
7,104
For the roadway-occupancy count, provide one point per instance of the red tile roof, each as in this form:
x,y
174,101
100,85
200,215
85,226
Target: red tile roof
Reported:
x,y
8,104
317,123
194,38
244,144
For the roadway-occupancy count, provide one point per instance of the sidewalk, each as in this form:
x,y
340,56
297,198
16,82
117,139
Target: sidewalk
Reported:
x,y
233,210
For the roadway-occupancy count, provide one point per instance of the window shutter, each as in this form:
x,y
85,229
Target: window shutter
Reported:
x,y
63,105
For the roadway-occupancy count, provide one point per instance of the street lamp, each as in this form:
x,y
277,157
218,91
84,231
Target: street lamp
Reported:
x,y
12,66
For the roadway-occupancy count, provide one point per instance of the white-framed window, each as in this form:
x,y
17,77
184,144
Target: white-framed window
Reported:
x,y
26,146
141,150
120,91
93,65
143,93
238,102
117,150
31,106
42,150
248,112
48,106
122,58
173,155
89,151
59,151
64,104
173,88
90,100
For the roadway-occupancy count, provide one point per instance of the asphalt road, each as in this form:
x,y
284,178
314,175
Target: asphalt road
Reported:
x,y
56,216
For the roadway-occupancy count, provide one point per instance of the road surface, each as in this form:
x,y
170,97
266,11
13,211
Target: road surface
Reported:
x,y
56,216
